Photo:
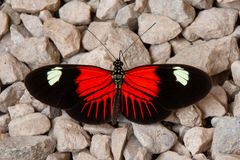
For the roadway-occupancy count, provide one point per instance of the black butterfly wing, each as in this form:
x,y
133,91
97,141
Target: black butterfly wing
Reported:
x,y
85,92
150,92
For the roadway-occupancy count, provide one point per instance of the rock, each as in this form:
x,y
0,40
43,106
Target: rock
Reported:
x,y
204,55
127,17
3,136
235,107
178,10
230,88
178,44
189,116
76,12
99,129
36,52
70,136
58,156
140,5
118,139
107,9
13,15
169,155
227,156
160,53
26,148
181,130
51,112
198,139
155,137
45,14
134,150
18,34
29,125
11,95
236,72
33,7
84,155
4,121
64,35
226,137
33,24
200,156
94,5
100,146
181,149
20,110
164,30
229,4
4,22
201,4
212,23
11,69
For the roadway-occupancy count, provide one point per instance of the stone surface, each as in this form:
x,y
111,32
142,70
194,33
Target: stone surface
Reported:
x,y
70,135
19,110
204,55
33,24
4,23
58,156
18,34
26,148
76,12
13,15
235,107
201,4
99,129
181,149
198,139
94,5
178,44
134,150
227,157
160,53
169,155
64,35
118,139
140,5
11,95
212,23
226,138
164,30
178,10
230,88
84,155
155,137
51,112
100,146
11,69
107,9
45,14
229,4
236,72
34,6
29,125
200,156
36,52
4,121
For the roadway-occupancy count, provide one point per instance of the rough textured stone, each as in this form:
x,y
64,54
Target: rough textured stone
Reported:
x,y
45,14
212,23
4,22
94,5
235,107
200,156
229,4
230,88
13,15
64,35
51,112
198,139
227,157
235,68
33,24
70,135
99,129
4,121
26,148
178,10
84,155
18,34
3,136
169,155
11,95
29,125
164,30
160,53
181,149
19,110
36,52
100,146
76,12
155,137
201,4
178,44
140,5
204,55
58,156
34,6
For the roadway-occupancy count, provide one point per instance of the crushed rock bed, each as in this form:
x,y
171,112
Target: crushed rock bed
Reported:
x,y
201,33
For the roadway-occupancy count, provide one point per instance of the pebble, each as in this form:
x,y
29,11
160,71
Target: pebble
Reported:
x,y
76,12
200,156
178,44
4,121
20,110
51,112
84,155
45,15
140,5
227,157
59,156
181,149
235,107
12,14
201,4
155,137
26,147
230,88
99,129
236,72
164,30
169,155
160,53
4,23
29,125
18,34
64,35
229,4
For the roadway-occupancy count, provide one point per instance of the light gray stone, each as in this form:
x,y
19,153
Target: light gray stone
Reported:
x,y
13,15
3,136
178,10
29,125
169,155
19,110
84,155
155,137
235,107
76,12
164,29
26,148
230,88
200,156
140,5
64,35
45,14
212,23
99,129
178,44
4,23
201,4
51,112
236,72
18,34
229,4
227,157
181,149
160,53
94,5
58,156
4,121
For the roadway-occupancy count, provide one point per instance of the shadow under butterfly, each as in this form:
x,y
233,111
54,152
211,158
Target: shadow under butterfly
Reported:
x,y
93,95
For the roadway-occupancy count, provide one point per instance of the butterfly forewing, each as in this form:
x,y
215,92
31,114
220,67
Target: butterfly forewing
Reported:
x,y
86,92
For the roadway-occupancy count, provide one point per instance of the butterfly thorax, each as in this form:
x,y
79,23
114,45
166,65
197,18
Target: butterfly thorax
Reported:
x,y
118,73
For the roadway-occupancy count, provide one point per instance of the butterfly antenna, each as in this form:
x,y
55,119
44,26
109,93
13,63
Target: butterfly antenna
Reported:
x,y
102,44
121,53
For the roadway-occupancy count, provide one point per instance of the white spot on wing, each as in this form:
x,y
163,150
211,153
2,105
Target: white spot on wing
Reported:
x,y
54,75
181,75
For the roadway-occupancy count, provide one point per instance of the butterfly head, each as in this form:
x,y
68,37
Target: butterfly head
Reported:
x,y
118,63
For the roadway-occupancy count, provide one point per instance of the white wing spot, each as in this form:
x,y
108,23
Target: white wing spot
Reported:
x,y
54,75
181,75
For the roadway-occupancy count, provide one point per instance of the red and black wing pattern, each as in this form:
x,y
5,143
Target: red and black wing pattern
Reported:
x,y
85,92
149,93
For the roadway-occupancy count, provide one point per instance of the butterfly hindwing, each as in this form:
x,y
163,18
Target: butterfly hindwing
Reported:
x,y
85,92
150,92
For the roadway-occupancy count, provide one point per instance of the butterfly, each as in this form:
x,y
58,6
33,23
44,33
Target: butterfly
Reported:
x,y
93,95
